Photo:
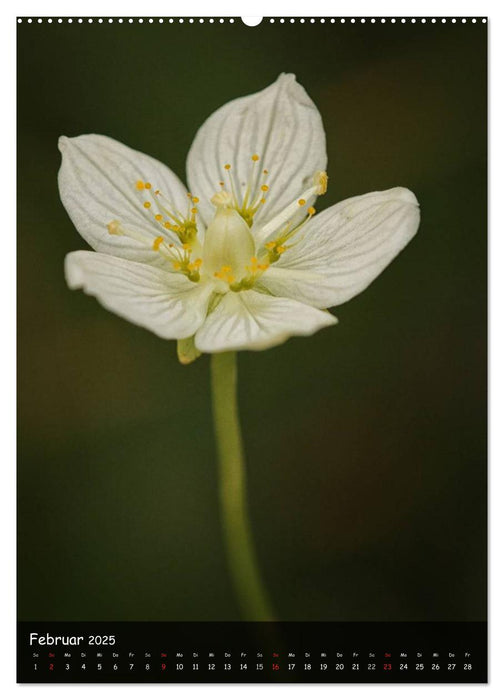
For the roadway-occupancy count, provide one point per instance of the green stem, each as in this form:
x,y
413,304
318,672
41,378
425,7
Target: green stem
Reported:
x,y
251,593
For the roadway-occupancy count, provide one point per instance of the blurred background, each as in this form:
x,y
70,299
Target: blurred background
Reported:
x,y
366,443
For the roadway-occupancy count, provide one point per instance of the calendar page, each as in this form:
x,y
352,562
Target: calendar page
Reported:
x,y
252,341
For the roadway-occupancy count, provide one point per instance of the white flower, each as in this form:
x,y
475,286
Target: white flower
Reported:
x,y
240,262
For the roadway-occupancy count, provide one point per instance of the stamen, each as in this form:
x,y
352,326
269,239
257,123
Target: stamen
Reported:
x,y
157,243
225,274
248,202
291,211
185,226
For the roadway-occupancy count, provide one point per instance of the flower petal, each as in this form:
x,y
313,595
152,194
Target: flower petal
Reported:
x,y
165,303
97,183
344,248
281,125
251,321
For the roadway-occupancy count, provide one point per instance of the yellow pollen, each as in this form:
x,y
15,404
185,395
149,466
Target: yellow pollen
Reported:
x,y
195,200
262,201
253,260
311,211
157,242
186,246
194,210
158,217
255,158
148,185
195,265
113,228
156,192
176,265
302,202
320,180
147,205
264,188
264,266
270,245
227,166
167,225
281,249
265,172
140,185
225,274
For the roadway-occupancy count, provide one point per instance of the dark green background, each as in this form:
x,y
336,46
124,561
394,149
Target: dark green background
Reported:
x,y
366,443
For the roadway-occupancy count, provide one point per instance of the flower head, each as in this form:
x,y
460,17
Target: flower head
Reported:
x,y
242,260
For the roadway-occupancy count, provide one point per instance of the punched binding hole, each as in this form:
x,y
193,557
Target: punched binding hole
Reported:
x,y
251,21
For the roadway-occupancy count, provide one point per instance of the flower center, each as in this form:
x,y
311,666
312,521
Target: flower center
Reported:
x,y
229,245
233,258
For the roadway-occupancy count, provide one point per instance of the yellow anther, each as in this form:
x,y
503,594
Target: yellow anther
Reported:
x,y
263,266
320,181
253,260
225,274
159,217
140,185
157,242
195,265
114,228
176,265
262,200
194,210
186,246
311,211
221,183
265,172
195,200
255,157
167,225
227,166
281,249
301,202
270,245
264,188
148,185
147,205
156,192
